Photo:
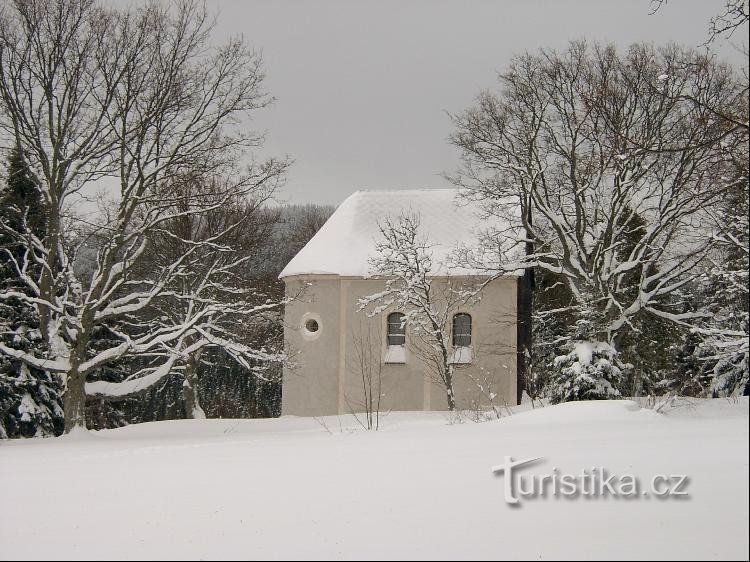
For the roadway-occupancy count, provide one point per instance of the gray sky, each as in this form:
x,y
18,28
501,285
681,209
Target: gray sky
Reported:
x,y
363,87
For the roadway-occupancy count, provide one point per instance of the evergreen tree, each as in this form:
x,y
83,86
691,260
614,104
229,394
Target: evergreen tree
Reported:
x,y
590,370
30,403
726,347
552,314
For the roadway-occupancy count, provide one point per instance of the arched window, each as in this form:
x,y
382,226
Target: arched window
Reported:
x,y
396,329
461,330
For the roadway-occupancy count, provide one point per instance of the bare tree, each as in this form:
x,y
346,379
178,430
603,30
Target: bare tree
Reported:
x,y
127,98
419,288
726,331
726,23
613,169
486,397
214,291
735,14
367,364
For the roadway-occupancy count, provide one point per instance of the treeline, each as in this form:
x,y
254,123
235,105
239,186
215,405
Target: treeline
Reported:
x,y
31,399
630,170
140,242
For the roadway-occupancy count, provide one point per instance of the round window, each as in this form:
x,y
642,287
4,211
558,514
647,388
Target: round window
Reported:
x,y
310,326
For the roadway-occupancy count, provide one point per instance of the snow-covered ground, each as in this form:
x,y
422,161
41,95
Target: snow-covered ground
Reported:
x,y
419,488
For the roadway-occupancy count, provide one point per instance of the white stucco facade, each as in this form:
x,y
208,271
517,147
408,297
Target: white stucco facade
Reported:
x,y
325,374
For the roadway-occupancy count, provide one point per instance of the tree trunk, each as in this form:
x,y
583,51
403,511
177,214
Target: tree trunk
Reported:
x,y
449,387
523,331
524,305
616,341
190,398
74,401
48,274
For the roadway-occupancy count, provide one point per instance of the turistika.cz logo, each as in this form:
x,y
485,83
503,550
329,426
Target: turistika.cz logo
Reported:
x,y
595,482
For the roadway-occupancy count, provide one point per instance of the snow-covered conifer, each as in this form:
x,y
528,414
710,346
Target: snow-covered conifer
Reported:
x,y
590,369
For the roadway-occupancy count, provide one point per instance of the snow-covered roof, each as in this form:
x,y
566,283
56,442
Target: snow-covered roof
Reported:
x,y
347,240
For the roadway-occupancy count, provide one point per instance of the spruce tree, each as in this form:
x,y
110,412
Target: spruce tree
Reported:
x,y
30,402
590,370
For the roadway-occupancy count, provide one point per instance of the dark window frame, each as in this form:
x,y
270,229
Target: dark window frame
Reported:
x,y
461,336
396,329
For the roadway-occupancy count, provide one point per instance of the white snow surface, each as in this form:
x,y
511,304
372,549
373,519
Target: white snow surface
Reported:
x,y
346,242
419,488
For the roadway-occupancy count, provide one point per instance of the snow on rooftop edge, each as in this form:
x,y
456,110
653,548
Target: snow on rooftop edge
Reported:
x,y
346,242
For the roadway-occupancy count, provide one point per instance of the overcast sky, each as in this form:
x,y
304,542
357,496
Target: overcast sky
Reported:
x,y
363,88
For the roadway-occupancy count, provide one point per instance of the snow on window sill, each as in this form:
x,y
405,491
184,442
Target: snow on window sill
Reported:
x,y
395,354
461,355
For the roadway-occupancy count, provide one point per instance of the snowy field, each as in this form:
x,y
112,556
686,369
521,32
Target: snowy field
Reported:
x,y
419,488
